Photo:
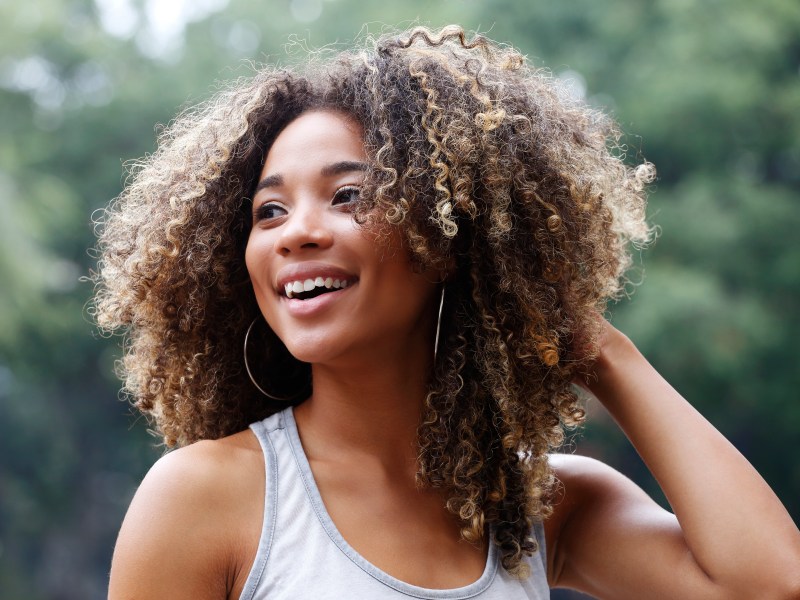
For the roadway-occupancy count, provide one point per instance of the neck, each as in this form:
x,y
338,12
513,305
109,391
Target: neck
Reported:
x,y
372,408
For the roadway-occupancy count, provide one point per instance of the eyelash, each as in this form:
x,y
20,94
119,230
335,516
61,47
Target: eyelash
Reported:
x,y
263,211
344,190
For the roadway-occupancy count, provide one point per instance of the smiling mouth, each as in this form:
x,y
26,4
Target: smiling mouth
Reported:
x,y
311,288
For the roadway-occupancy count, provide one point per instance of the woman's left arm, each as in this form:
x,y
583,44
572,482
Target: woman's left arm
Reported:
x,y
730,536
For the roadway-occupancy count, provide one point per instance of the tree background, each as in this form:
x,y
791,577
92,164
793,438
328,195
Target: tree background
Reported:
x,y
709,91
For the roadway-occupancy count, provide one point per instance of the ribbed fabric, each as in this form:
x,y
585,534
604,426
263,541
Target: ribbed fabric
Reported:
x,y
301,554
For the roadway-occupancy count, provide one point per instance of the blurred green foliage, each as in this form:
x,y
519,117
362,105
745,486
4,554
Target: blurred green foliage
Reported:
x,y
710,89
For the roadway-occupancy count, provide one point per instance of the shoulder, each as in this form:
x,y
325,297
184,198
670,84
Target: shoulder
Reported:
x,y
206,475
193,522
575,476
585,473
596,509
209,473
587,490
578,479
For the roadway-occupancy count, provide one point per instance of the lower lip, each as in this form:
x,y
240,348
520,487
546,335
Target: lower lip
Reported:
x,y
312,306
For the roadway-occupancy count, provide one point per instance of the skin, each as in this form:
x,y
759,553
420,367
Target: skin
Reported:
x,y
193,528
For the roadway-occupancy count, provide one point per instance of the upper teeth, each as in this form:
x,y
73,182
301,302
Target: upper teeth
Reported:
x,y
306,285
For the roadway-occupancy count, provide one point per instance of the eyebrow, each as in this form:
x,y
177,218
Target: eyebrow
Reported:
x,y
344,166
337,168
267,182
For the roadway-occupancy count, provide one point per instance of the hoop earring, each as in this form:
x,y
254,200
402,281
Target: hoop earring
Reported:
x,y
438,326
247,367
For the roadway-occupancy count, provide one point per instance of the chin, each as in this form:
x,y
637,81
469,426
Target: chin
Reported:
x,y
315,351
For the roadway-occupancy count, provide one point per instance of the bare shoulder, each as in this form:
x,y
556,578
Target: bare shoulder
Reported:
x,y
193,523
601,522
575,476
578,477
583,473
588,485
591,493
205,475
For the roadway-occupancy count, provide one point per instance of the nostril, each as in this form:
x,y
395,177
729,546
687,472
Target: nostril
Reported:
x,y
297,235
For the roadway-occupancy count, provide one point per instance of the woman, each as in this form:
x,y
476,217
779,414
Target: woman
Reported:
x,y
391,267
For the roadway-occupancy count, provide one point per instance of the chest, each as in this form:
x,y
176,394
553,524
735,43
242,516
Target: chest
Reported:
x,y
335,537
404,531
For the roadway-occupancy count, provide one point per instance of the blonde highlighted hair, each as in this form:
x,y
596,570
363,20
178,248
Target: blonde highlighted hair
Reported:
x,y
490,173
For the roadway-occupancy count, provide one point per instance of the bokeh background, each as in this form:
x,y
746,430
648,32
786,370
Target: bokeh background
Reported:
x,y
707,90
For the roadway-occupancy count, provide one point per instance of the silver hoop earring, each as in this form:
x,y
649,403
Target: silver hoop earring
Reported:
x,y
247,367
438,326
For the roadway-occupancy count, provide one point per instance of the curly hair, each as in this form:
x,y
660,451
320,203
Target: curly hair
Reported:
x,y
491,173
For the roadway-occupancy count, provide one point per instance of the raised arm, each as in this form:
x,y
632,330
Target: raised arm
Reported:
x,y
730,537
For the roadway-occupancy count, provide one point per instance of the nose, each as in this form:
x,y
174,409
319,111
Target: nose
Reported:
x,y
305,228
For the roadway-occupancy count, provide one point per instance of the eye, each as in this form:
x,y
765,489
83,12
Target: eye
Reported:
x,y
346,195
267,211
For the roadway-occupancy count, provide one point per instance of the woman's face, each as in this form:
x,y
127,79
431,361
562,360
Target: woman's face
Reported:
x,y
323,284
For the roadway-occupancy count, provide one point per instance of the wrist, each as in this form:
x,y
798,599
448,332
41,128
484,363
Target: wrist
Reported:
x,y
617,352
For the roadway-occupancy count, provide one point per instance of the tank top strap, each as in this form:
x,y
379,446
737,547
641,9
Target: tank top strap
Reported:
x,y
261,430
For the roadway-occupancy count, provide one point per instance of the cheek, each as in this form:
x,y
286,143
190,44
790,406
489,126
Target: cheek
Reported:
x,y
411,294
250,262
255,262
409,290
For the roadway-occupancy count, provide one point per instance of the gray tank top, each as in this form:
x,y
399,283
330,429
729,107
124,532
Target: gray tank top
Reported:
x,y
301,554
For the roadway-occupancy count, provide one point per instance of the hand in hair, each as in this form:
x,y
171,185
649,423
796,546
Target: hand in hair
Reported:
x,y
729,536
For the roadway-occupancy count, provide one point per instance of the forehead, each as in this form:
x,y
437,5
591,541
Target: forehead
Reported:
x,y
314,138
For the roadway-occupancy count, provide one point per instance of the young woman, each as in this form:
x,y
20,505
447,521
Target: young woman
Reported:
x,y
390,265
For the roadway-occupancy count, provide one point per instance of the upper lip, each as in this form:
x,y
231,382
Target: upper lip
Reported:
x,y
310,270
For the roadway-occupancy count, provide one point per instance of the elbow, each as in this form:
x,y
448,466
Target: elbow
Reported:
x,y
791,580
792,589
785,580
777,590
785,588
779,586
